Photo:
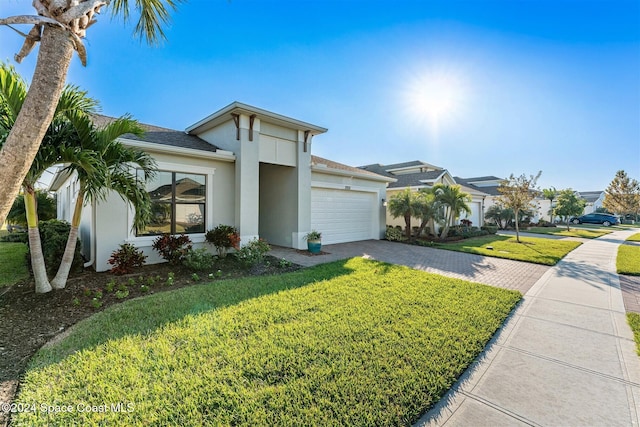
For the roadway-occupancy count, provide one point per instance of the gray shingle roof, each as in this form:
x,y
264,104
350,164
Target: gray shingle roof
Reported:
x,y
414,179
340,166
163,136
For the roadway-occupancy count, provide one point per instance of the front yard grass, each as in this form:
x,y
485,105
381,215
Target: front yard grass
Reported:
x,y
532,249
573,232
354,342
634,322
628,261
634,238
13,263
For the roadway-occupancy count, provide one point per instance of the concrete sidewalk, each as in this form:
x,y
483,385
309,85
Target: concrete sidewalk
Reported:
x,y
566,357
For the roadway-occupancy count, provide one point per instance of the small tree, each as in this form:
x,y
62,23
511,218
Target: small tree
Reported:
x,y
404,205
569,204
518,194
428,209
622,196
500,215
454,201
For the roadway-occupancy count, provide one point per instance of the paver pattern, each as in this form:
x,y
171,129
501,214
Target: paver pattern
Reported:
x,y
498,272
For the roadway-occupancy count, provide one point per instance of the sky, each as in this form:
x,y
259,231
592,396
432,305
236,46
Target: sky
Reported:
x,y
476,87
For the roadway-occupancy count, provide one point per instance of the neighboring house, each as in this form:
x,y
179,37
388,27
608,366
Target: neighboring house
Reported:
x,y
241,166
417,175
594,200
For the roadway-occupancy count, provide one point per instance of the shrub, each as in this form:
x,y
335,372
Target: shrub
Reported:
x,y
198,259
126,259
223,237
15,238
253,252
54,235
490,229
466,232
172,248
393,234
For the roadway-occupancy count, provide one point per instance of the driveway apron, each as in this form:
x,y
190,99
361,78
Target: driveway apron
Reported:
x,y
566,356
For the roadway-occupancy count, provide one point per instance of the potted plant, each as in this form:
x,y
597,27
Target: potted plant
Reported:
x,y
314,244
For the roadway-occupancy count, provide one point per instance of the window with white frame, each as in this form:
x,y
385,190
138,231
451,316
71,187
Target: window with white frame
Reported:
x,y
178,204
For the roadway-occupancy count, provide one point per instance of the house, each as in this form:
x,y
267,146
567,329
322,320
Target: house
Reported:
x,y
593,199
241,166
417,175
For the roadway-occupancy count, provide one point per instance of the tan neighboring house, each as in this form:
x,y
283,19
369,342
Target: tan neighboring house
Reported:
x,y
241,166
417,175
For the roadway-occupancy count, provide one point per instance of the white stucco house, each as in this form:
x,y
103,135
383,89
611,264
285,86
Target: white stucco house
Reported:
x,y
241,166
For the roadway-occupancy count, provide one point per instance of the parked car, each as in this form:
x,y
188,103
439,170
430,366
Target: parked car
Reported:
x,y
596,218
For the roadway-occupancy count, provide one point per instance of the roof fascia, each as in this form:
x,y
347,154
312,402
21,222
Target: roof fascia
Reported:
x,y
342,172
225,156
223,115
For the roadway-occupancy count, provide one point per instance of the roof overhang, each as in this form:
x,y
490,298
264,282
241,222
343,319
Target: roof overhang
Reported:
x,y
225,114
322,168
225,156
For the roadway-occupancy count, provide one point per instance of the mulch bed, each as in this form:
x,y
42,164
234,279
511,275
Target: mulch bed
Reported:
x,y
29,320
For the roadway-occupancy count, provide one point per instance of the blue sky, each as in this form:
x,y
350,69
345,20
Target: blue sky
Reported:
x,y
477,87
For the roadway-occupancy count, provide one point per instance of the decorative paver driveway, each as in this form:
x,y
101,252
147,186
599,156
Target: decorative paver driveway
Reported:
x,y
498,272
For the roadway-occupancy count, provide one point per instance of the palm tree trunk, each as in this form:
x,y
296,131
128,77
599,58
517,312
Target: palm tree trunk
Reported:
x,y
445,228
35,246
60,281
517,228
36,114
407,225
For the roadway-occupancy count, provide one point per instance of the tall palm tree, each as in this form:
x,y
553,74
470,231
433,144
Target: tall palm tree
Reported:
x,y
53,150
550,194
115,172
403,204
60,27
428,209
455,202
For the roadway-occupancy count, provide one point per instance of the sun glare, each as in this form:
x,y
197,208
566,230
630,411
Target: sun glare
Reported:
x,y
435,97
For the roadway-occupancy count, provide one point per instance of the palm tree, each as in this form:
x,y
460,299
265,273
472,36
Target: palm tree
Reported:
x,y
114,173
13,92
550,193
403,204
59,27
454,200
428,209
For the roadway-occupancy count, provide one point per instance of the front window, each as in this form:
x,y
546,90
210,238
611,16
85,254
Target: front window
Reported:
x,y
178,204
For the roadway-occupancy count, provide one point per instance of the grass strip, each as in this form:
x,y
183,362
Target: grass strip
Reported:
x,y
573,232
634,322
531,249
354,342
13,264
634,238
628,261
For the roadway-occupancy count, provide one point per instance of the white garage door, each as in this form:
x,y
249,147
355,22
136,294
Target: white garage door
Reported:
x,y
343,215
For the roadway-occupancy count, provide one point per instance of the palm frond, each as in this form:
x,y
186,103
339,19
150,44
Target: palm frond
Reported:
x,y
154,15
13,90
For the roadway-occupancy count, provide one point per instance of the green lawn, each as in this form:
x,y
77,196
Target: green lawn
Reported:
x,y
573,232
13,264
532,249
634,322
628,261
634,238
354,342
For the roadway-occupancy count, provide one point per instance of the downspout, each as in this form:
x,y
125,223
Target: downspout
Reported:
x,y
92,237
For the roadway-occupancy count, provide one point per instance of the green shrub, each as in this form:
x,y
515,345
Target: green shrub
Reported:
x,y
253,252
223,237
394,234
198,259
15,238
466,232
126,259
53,236
172,248
490,229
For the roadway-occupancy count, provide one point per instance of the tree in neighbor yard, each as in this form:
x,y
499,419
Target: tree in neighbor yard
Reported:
x,y
454,201
550,194
622,196
59,26
404,205
518,194
569,204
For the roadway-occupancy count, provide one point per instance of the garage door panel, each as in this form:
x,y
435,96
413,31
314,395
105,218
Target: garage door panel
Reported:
x,y
341,215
